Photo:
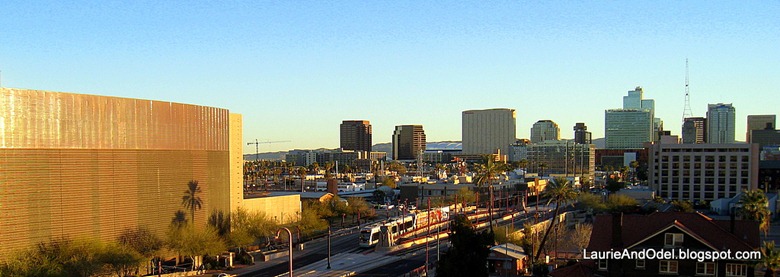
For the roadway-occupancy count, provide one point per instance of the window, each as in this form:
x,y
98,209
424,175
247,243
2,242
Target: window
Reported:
x,y
736,270
673,239
640,264
667,267
602,264
705,269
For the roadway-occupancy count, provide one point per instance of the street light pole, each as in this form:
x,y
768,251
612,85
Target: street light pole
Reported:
x,y
328,245
290,248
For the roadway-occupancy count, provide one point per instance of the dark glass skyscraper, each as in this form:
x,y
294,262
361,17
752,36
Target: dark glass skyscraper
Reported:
x,y
356,135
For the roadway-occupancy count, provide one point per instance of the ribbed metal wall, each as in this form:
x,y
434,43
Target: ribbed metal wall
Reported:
x,y
91,166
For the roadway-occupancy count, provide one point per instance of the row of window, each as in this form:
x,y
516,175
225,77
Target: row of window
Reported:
x,y
702,268
721,159
696,150
698,181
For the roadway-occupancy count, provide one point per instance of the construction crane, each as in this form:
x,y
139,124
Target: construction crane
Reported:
x,y
257,146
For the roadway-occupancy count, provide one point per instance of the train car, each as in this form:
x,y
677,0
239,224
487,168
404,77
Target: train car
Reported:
x,y
369,235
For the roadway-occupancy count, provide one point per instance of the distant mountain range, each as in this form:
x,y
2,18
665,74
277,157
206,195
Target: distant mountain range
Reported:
x,y
386,147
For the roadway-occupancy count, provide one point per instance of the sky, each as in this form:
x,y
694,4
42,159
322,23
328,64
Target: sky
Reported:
x,y
296,69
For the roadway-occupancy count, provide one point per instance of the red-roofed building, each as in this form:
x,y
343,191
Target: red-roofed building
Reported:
x,y
670,233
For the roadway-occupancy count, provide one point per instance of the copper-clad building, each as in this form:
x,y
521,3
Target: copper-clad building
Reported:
x,y
75,165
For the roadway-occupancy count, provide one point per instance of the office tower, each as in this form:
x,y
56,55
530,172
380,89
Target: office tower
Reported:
x,y
581,134
634,124
720,123
356,135
721,170
628,129
408,142
486,131
562,157
694,130
759,122
545,130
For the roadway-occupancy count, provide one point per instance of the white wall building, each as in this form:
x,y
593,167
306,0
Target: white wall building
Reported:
x,y
487,131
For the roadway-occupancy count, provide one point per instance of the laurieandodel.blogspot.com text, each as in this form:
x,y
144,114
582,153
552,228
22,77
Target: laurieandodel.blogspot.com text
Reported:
x,y
671,254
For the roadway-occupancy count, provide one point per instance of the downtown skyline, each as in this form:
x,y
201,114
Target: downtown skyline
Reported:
x,y
297,70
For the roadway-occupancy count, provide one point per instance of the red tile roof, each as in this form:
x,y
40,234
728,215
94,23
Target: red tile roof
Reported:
x,y
585,268
715,233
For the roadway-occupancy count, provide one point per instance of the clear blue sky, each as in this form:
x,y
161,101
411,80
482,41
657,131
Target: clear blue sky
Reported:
x,y
296,69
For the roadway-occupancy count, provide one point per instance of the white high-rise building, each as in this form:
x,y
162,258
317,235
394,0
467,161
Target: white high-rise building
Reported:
x,y
720,123
545,130
487,131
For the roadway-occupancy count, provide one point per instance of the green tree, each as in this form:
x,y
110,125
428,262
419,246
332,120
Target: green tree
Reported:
x,y
142,241
359,205
191,200
194,242
310,222
634,165
770,258
542,167
121,259
465,195
469,251
389,182
561,192
755,206
682,206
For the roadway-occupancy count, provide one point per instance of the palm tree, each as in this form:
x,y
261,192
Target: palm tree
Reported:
x,y
755,207
302,172
770,258
634,165
523,164
542,166
561,192
485,174
191,200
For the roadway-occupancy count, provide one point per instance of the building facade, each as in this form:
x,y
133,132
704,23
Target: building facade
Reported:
x,y
627,129
562,157
82,166
702,171
694,130
488,131
408,142
759,122
720,123
356,135
670,232
545,130
581,134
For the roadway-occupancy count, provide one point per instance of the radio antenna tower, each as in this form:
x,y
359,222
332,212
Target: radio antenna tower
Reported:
x,y
687,110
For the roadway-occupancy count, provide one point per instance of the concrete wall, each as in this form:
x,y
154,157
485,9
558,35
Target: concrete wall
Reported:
x,y
284,209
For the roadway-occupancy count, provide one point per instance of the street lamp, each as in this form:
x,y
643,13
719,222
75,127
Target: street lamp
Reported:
x,y
328,244
290,248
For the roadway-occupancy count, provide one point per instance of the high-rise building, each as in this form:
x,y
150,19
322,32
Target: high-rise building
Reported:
x,y
408,142
581,134
627,129
702,171
759,122
545,130
356,135
633,125
720,123
694,130
561,157
487,131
